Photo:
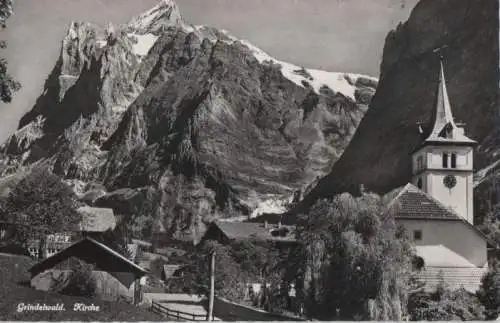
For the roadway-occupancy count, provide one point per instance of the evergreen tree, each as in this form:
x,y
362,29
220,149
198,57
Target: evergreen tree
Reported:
x,y
7,84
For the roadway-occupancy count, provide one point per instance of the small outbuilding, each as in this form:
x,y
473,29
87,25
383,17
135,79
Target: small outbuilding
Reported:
x,y
116,276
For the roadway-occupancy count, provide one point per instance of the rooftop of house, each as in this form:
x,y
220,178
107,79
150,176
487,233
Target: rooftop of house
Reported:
x,y
259,231
170,270
93,252
96,219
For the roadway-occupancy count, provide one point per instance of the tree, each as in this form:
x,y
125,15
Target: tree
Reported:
x,y
40,203
156,266
489,292
7,84
354,256
80,281
229,278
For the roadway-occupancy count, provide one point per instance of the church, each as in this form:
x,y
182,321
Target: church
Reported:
x,y
436,208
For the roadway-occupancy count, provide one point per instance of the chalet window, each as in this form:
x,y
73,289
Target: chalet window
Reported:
x,y
419,183
445,160
417,235
453,160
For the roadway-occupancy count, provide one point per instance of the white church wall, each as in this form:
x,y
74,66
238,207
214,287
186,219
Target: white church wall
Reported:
x,y
455,235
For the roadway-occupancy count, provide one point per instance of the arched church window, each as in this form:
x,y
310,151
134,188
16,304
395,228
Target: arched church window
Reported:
x,y
453,160
445,160
419,183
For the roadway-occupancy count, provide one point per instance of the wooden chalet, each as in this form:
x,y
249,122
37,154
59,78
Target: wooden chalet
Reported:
x,y
116,275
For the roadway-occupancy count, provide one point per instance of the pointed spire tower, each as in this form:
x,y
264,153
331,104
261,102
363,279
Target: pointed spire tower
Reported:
x,y
445,129
443,165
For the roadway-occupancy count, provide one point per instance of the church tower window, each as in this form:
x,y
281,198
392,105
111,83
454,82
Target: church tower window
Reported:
x,y
419,183
453,160
445,160
420,163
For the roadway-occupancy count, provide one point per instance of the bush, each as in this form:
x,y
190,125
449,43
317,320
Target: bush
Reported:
x,y
80,281
489,293
445,305
156,266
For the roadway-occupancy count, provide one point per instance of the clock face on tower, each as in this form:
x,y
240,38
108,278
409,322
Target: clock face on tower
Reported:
x,y
449,181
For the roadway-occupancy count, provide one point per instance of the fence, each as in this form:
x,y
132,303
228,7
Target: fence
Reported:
x,y
163,310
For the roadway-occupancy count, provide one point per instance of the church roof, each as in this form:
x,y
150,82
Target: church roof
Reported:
x,y
445,130
414,204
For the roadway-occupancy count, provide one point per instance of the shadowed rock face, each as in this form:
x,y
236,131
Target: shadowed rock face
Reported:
x,y
186,123
378,155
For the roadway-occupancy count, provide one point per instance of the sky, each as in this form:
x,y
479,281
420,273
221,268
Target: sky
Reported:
x,y
334,35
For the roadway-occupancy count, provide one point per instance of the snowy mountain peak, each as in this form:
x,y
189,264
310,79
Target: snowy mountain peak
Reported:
x,y
317,79
165,14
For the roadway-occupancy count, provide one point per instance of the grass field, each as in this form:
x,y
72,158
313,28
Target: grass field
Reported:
x,y
15,290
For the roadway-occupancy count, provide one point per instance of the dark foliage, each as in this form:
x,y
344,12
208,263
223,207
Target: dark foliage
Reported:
x,y
355,261
445,305
80,281
236,265
156,266
489,293
40,203
7,84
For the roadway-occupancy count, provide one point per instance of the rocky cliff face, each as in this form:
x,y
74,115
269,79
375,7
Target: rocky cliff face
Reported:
x,y
467,34
178,124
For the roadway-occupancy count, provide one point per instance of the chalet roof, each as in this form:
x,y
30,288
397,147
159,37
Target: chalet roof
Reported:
x,y
92,252
96,219
170,270
247,230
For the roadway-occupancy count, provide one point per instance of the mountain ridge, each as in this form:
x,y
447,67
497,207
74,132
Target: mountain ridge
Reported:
x,y
182,124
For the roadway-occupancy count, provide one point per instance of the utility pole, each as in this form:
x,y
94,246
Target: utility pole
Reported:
x,y
212,288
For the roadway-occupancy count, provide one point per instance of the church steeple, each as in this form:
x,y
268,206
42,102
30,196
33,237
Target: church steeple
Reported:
x,y
444,128
443,165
